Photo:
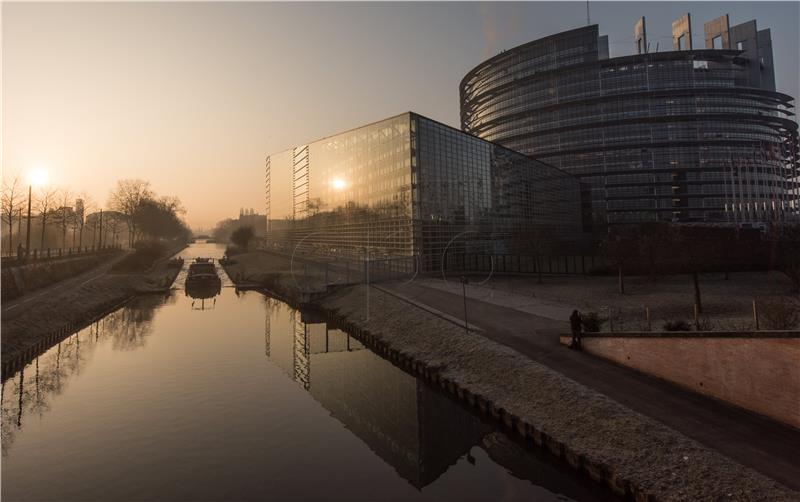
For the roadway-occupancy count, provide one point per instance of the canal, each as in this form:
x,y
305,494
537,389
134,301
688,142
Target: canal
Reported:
x,y
239,396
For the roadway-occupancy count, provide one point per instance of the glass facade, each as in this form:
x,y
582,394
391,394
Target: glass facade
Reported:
x,y
668,136
409,187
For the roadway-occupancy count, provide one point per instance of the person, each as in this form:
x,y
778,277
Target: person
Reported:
x,y
575,324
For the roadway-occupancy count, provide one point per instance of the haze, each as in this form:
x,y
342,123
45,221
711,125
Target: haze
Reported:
x,y
192,97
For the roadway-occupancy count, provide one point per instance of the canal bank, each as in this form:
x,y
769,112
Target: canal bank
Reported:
x,y
34,323
636,454
247,398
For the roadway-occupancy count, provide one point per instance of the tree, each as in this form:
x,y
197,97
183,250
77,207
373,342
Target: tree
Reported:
x,y
13,195
127,199
45,201
789,254
158,219
65,214
83,209
242,236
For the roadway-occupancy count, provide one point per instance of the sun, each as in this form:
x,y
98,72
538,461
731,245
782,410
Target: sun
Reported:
x,y
38,176
338,184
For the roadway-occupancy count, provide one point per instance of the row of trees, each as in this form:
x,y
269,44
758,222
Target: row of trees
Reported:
x,y
61,217
663,248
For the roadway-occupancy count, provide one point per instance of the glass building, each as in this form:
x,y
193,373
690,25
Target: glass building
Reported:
x,y
413,189
685,135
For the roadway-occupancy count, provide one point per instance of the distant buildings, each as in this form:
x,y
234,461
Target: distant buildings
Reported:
x,y
679,133
411,188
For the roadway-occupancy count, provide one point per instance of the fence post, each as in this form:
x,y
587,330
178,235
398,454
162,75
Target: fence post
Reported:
x,y
696,319
755,314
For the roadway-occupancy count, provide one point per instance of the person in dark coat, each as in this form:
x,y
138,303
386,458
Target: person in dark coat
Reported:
x,y
575,324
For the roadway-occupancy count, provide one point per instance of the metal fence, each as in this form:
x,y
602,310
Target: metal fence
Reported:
x,y
39,255
525,264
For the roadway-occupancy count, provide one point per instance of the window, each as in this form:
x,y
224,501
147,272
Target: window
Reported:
x,y
739,46
716,42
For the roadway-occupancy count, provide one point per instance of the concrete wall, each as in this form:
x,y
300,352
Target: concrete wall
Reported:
x,y
757,371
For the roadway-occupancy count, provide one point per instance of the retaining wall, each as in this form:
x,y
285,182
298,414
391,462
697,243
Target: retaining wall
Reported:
x,y
758,371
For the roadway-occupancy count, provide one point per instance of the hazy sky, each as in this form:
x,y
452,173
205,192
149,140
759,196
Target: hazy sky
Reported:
x,y
193,96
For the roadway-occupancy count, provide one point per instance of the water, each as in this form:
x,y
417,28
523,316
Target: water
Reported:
x,y
242,397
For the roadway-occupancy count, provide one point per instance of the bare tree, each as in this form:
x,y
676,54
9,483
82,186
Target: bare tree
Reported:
x,y
87,206
45,200
127,198
64,214
13,195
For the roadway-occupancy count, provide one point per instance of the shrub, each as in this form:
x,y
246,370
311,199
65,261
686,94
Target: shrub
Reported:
x,y
143,257
242,236
679,325
592,322
233,251
780,314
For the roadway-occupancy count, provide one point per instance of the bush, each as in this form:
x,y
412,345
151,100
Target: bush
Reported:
x,y
242,236
679,325
233,251
143,257
592,323
780,314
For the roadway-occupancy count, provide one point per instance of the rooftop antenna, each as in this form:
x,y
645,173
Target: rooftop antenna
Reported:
x,y
588,19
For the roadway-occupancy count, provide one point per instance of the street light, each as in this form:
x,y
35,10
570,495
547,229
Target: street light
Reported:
x,y
464,282
38,176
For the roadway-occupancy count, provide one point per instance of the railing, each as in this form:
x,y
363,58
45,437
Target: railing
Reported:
x,y
525,264
39,255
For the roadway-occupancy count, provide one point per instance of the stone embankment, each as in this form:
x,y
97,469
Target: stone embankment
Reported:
x,y
54,316
636,456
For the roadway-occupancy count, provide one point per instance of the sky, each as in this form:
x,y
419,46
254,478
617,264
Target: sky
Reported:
x,y
193,96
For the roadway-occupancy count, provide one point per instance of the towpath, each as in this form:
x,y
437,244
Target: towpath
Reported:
x,y
530,327
18,306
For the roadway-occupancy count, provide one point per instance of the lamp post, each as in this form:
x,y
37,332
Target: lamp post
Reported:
x,y
464,281
36,177
28,234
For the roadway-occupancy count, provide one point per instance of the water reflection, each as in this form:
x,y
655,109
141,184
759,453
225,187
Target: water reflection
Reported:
x,y
200,292
251,400
416,430
30,391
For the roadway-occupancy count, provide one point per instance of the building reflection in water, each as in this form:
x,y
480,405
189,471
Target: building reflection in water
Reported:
x,y
29,392
417,430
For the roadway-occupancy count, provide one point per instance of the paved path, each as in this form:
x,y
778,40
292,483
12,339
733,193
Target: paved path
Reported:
x,y
14,308
760,443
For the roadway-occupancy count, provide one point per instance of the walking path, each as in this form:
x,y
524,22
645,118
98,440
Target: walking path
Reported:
x,y
531,328
16,307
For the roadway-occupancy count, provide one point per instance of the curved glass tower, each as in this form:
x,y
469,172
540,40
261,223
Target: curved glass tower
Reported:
x,y
685,135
